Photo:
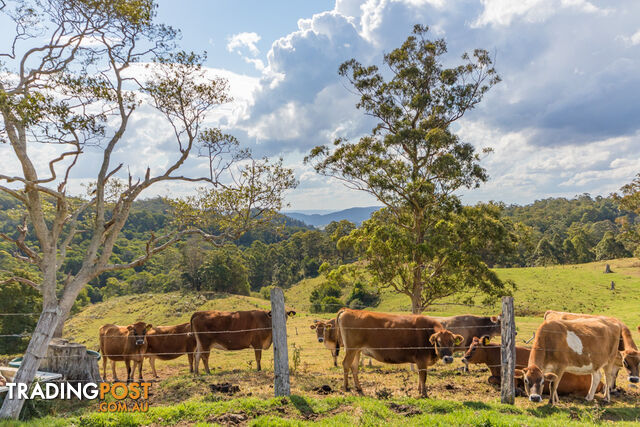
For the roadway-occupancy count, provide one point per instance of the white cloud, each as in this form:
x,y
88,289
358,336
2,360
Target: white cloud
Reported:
x,y
244,40
503,12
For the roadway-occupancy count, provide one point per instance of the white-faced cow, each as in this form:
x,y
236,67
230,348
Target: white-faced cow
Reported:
x,y
629,354
170,342
124,343
329,335
395,339
579,346
231,330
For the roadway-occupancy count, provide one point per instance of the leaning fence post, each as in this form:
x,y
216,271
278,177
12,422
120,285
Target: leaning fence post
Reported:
x,y
280,352
508,352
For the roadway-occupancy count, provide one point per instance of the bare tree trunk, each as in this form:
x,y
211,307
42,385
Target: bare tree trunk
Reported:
x,y
36,351
416,301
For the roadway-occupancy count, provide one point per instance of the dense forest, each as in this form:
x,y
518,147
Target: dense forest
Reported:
x,y
549,231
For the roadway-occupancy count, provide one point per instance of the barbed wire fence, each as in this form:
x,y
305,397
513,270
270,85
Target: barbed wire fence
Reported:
x,y
280,346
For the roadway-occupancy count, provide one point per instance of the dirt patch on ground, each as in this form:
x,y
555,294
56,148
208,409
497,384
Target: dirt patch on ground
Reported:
x,y
406,410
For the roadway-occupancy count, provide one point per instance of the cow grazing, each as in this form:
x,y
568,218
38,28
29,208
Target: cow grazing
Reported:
x,y
629,354
482,351
579,346
231,330
328,334
170,342
124,343
394,339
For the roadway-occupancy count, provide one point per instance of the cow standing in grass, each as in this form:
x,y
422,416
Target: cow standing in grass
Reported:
x,y
124,343
394,339
328,334
170,342
629,356
231,330
482,351
580,346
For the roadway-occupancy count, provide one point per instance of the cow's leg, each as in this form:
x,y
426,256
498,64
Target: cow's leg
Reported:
x,y
140,362
595,380
349,356
258,353
205,360
113,370
152,362
104,367
609,380
355,365
614,375
127,363
190,356
553,389
334,354
422,378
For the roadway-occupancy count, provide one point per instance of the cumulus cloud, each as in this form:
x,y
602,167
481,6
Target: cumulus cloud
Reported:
x,y
240,41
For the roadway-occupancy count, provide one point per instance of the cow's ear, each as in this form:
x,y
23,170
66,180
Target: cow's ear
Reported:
x,y
269,313
458,339
313,326
486,340
495,319
519,373
130,327
433,338
149,326
291,313
550,376
327,326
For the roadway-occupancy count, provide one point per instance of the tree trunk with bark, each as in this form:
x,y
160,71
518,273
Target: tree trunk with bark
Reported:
x,y
71,361
36,352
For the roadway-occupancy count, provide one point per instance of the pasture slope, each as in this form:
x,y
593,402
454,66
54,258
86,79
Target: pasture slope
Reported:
x,y
389,391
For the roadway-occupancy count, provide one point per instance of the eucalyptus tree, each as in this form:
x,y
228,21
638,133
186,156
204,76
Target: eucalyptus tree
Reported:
x,y
414,164
73,77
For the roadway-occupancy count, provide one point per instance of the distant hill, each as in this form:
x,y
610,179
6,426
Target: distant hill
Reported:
x,y
355,215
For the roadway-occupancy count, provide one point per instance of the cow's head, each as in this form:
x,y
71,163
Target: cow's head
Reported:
x,y
139,332
475,345
289,313
443,342
534,379
631,361
320,327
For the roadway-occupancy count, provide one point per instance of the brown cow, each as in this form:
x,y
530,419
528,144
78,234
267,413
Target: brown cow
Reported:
x,y
630,356
124,343
470,326
231,330
483,351
579,346
391,338
170,342
329,335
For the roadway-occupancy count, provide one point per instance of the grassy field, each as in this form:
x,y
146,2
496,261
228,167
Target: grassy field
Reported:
x,y
389,391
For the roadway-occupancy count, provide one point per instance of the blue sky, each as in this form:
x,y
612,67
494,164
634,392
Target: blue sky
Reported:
x,y
564,121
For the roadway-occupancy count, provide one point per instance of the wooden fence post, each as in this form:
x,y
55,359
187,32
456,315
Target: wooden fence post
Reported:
x,y
280,351
508,352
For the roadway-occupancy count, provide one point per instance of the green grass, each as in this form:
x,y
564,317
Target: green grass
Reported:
x,y
456,398
344,411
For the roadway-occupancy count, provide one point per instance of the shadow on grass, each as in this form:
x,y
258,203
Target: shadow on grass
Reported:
x,y
302,405
476,405
588,413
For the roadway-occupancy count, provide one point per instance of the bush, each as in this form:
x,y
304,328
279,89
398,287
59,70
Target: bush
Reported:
x,y
362,297
321,293
265,292
331,304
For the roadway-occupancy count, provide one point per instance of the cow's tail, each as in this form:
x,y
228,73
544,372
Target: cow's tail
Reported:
x,y
339,331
